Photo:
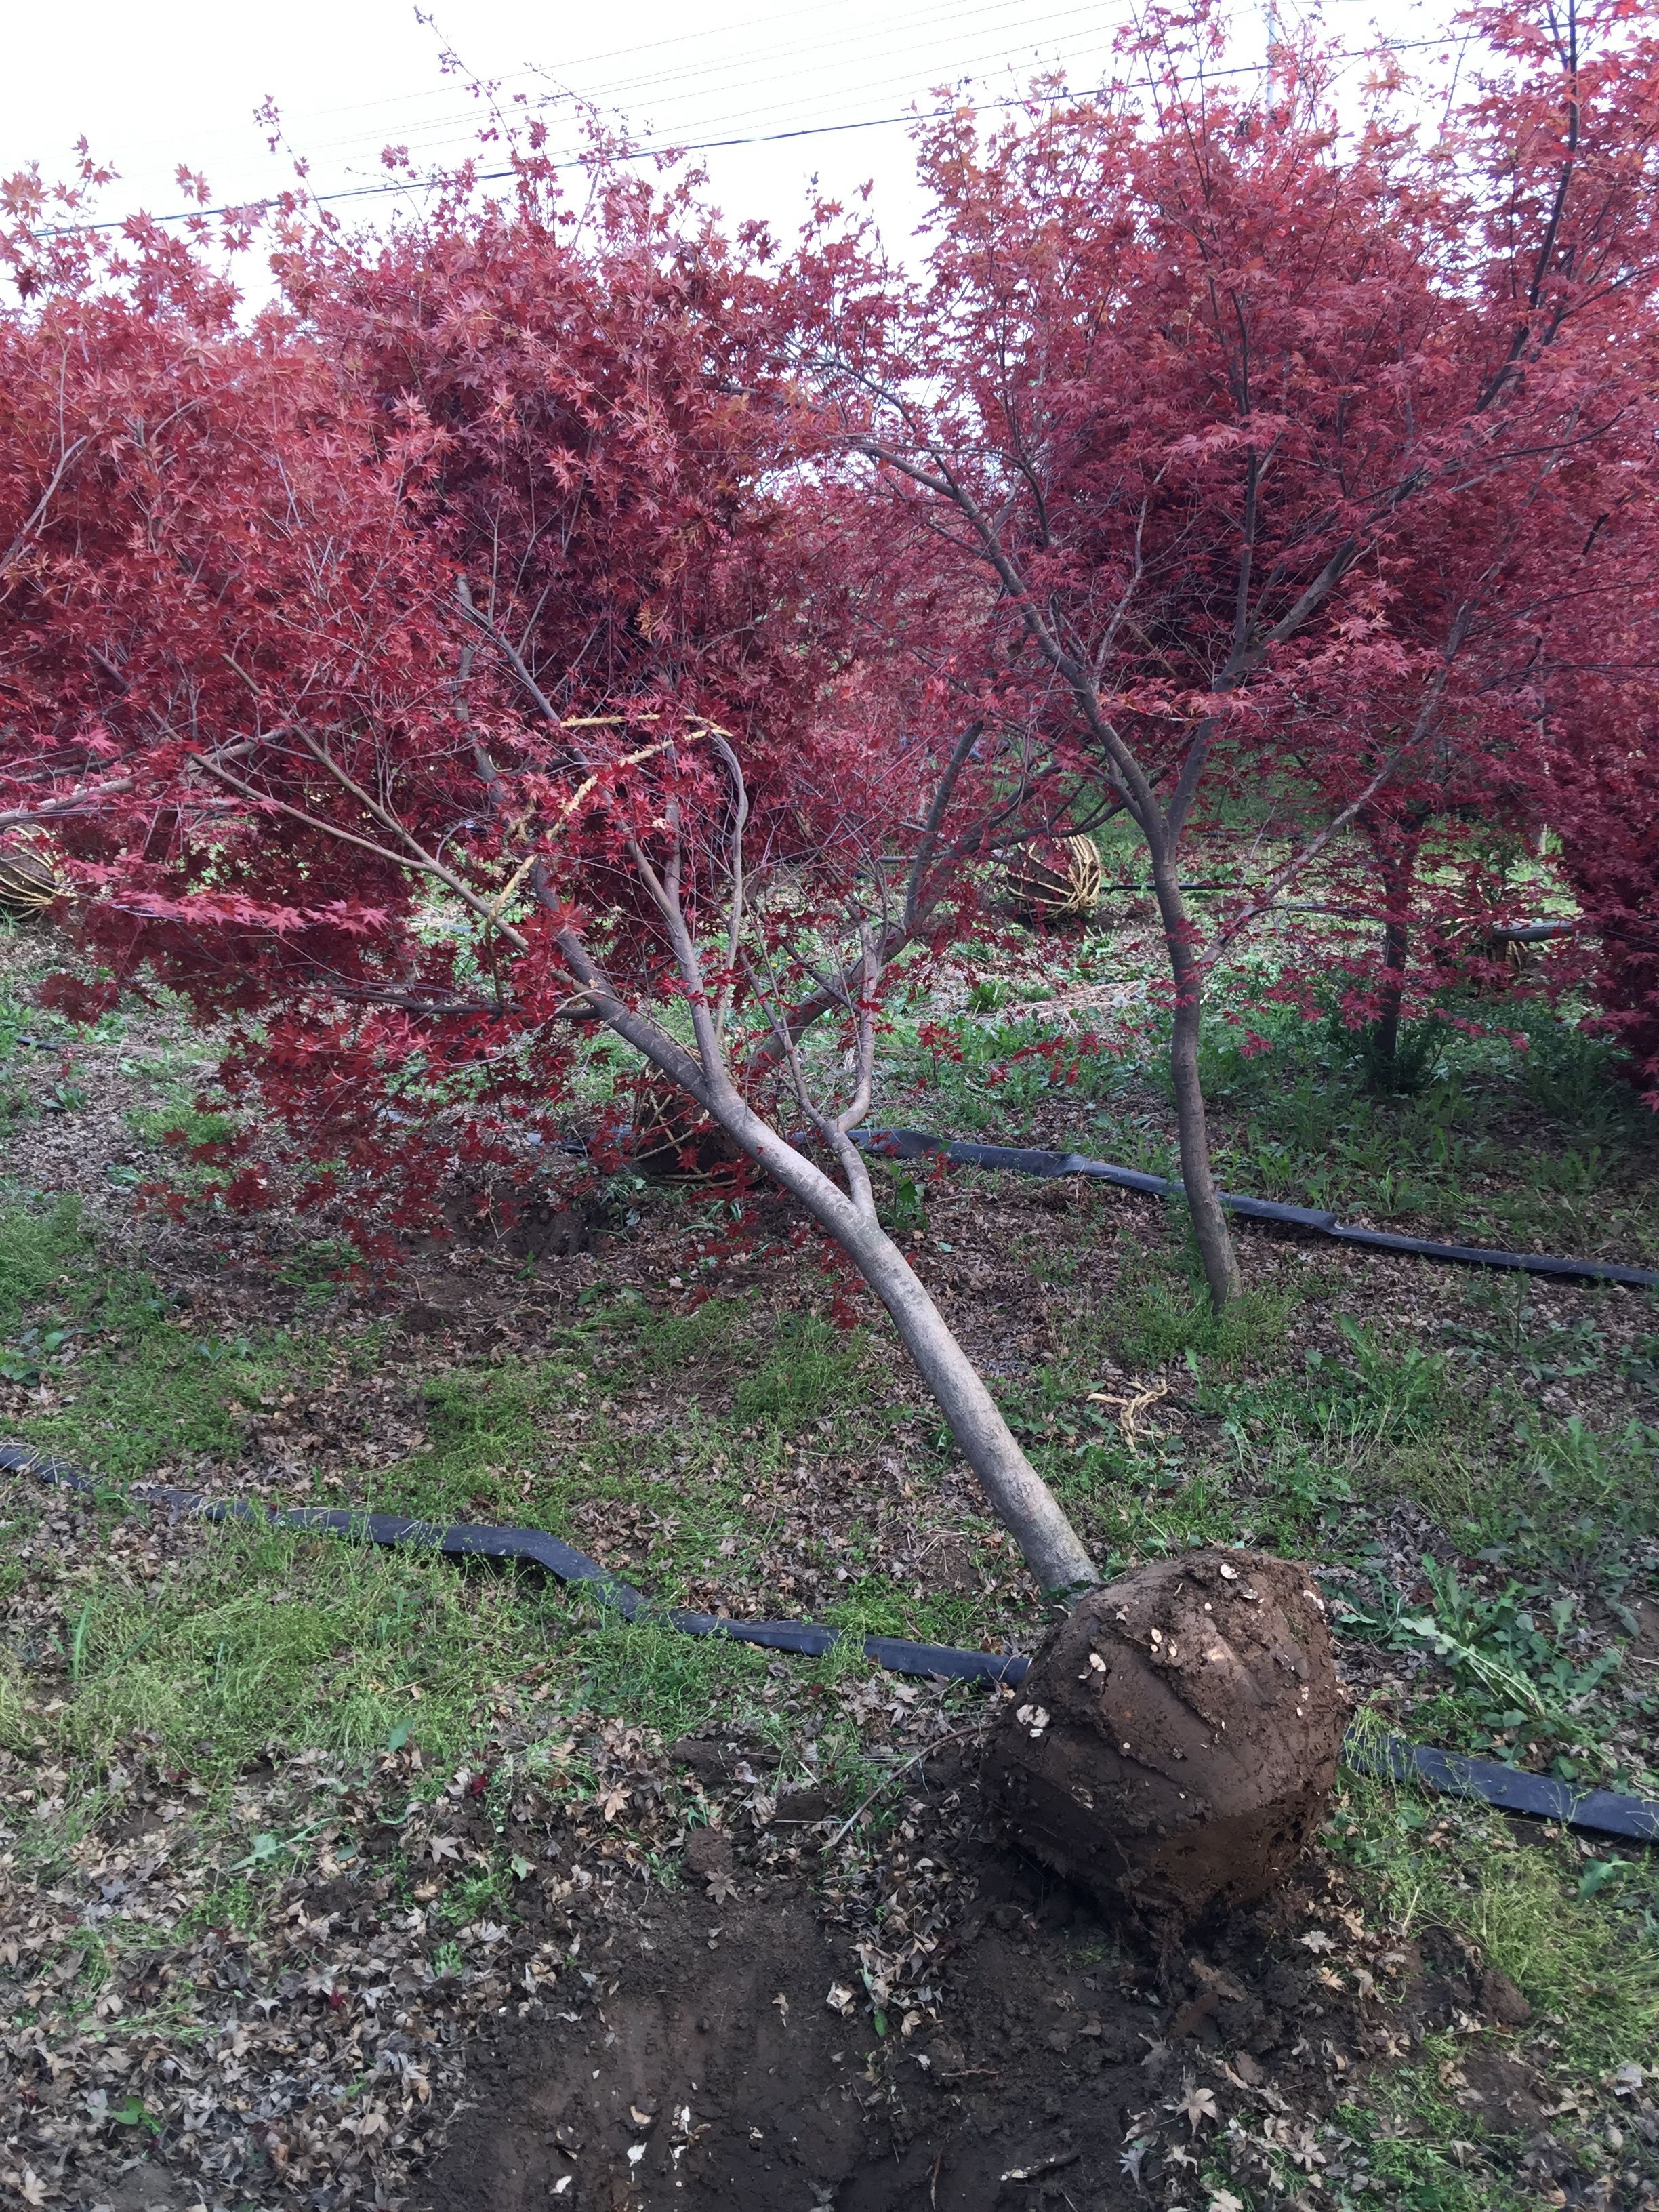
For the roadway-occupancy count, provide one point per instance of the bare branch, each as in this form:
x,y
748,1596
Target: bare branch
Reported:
x,y
38,512
508,651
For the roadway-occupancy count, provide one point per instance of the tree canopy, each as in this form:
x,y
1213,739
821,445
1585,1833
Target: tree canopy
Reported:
x,y
548,614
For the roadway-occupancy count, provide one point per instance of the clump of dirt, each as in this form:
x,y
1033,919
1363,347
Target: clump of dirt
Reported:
x,y
1175,1744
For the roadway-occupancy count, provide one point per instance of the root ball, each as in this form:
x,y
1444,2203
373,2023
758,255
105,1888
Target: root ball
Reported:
x,y
1174,1745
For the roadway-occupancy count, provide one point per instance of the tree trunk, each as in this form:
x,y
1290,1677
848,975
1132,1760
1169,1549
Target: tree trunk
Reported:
x,y
1050,1546
1027,1507
1215,1242
1397,869
1385,1030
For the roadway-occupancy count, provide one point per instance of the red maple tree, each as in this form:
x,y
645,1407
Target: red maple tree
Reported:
x,y
1550,566
464,654
1265,432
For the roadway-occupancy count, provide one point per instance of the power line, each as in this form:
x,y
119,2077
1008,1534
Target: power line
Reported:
x,y
675,85
692,81
949,12
672,146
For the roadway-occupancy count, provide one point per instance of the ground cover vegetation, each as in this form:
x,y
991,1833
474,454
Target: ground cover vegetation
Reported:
x,y
308,1794
529,725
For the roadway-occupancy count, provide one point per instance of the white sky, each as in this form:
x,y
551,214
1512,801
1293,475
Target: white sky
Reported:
x,y
177,81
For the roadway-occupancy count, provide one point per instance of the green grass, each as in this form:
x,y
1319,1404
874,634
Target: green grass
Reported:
x,y
1404,2132
266,1641
144,1388
1585,1953
260,1644
37,1251
1164,1319
520,1440
1574,1928
813,1371
1515,1127
178,1126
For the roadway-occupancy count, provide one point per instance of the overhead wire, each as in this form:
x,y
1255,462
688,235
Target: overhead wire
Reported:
x,y
872,74
673,146
673,87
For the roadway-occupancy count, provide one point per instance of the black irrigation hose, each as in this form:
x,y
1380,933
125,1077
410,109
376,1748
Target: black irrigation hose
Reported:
x,y
470,1540
1507,1787
1601,1810
918,1145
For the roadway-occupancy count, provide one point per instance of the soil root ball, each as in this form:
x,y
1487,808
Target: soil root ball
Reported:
x,y
1174,1747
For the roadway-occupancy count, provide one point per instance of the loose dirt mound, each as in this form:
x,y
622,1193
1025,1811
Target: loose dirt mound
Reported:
x,y
701,2063
1175,1743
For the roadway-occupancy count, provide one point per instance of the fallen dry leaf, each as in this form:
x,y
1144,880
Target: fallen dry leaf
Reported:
x,y
1197,2105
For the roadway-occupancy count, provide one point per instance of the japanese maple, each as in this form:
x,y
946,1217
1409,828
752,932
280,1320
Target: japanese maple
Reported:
x,y
1250,421
465,654
1548,566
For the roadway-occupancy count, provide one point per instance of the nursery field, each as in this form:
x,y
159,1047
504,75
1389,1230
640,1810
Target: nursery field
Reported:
x,y
331,1875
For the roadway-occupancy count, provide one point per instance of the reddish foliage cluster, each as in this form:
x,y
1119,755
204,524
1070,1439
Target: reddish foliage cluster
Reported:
x,y
511,586
341,649
530,622
1611,854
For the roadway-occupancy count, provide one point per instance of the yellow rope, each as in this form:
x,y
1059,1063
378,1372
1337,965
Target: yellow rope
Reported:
x,y
1130,1408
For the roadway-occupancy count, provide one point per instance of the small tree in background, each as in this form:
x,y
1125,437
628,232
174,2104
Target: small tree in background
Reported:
x,y
1599,727
1550,564
1199,376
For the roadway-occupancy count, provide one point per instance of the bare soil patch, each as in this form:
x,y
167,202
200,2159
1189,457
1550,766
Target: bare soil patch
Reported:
x,y
712,2054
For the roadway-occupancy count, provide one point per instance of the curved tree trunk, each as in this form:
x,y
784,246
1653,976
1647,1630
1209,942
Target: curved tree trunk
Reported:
x,y
1051,1547
1028,1508
1023,1501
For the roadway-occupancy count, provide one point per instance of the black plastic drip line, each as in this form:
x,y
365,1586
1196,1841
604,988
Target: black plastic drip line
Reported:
x,y
471,1540
918,1145
1604,1811
1512,1791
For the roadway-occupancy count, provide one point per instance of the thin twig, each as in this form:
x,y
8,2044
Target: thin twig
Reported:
x,y
887,1782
